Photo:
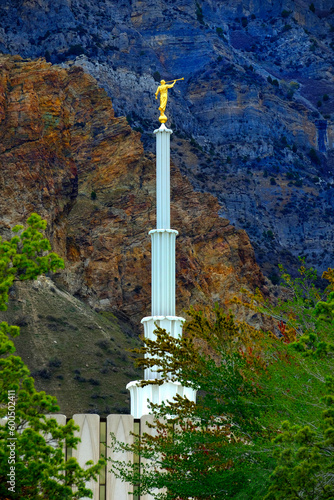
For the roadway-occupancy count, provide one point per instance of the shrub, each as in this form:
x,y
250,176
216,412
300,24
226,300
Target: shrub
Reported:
x,y
269,234
93,381
76,50
54,363
221,35
274,278
44,373
103,344
199,13
314,157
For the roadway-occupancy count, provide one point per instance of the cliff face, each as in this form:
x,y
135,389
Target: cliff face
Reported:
x,y
253,117
66,156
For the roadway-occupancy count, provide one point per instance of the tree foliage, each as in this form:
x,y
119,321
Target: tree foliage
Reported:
x,y
25,256
305,468
31,442
231,442
210,449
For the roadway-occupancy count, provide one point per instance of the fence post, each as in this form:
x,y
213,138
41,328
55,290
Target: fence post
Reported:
x,y
89,447
121,426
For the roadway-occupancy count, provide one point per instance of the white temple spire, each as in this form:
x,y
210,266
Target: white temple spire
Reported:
x,y
163,276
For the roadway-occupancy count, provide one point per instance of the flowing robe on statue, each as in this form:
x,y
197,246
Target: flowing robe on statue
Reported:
x,y
163,89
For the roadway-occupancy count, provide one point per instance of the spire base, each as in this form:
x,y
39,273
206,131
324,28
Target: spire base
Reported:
x,y
156,394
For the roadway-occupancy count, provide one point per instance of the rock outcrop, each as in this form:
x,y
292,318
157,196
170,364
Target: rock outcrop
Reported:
x,y
66,156
254,115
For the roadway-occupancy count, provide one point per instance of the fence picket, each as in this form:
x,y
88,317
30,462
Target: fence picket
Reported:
x,y
89,447
121,426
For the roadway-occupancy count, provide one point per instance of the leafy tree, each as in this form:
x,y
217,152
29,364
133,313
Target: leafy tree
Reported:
x,y
305,467
325,309
211,448
31,444
24,256
295,309
248,381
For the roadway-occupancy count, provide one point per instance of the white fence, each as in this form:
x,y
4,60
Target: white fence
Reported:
x,y
95,442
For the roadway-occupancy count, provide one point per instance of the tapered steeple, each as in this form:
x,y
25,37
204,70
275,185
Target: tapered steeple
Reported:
x,y
163,278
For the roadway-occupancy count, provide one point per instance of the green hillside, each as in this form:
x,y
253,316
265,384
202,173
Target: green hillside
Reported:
x,y
74,353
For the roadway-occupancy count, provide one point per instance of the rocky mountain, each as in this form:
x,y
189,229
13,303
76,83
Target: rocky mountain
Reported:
x,y
64,155
253,119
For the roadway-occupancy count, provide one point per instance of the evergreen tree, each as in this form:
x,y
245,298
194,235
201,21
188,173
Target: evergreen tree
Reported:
x,y
305,468
32,464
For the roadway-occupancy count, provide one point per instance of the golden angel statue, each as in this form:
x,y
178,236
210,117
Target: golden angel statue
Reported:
x,y
163,89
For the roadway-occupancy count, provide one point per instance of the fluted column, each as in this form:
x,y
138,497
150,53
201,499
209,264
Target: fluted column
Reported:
x,y
163,176
163,271
172,325
163,287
